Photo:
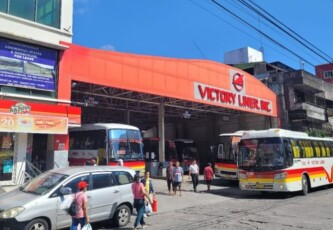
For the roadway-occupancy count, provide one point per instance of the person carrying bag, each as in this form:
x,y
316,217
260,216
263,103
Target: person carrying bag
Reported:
x,y
140,195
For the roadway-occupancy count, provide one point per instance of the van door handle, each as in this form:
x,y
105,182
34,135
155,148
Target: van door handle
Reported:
x,y
115,191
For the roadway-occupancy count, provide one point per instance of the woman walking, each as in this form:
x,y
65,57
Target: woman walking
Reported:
x,y
139,194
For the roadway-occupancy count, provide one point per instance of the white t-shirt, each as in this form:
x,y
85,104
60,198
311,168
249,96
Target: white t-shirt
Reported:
x,y
194,169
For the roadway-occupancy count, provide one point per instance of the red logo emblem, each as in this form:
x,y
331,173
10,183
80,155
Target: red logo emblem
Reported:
x,y
238,81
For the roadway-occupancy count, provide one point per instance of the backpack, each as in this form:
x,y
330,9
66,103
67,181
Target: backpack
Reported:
x,y
72,210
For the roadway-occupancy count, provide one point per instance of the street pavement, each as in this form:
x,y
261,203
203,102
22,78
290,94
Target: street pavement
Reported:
x,y
227,207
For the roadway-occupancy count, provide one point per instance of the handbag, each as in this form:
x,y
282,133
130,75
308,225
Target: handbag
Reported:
x,y
148,208
86,227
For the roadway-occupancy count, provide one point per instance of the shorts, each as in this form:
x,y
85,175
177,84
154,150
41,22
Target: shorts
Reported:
x,y
176,184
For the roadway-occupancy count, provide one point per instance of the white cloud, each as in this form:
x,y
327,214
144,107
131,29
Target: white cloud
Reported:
x,y
108,47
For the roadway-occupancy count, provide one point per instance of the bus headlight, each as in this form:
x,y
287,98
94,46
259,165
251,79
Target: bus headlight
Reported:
x,y
281,175
242,175
11,213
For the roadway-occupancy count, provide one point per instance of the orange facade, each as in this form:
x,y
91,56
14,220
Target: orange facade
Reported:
x,y
200,81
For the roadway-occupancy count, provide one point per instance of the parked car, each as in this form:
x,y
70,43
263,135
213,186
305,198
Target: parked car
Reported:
x,y
43,202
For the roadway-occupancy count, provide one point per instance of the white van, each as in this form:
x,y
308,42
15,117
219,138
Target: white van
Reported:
x,y
43,202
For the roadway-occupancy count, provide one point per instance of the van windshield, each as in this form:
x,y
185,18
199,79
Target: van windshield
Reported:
x,y
43,183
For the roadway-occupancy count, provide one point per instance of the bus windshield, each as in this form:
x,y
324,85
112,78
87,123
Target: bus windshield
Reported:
x,y
262,154
227,149
125,144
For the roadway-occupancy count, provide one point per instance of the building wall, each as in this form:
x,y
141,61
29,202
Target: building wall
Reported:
x,y
35,33
325,72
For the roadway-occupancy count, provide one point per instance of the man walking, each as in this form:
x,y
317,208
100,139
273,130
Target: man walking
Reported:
x,y
194,173
177,178
209,175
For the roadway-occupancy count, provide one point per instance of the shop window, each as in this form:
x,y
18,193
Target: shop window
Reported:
x,y
6,156
3,6
48,12
23,9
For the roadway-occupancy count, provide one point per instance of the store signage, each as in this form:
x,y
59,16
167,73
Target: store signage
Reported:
x,y
235,97
27,66
222,96
20,108
33,124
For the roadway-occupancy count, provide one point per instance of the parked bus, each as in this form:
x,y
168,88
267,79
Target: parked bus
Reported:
x,y
187,152
108,143
226,160
278,160
151,149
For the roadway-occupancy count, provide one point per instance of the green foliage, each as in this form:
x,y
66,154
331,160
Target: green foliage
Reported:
x,y
318,133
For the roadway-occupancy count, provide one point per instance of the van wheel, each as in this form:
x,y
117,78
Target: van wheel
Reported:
x,y
122,216
305,185
37,224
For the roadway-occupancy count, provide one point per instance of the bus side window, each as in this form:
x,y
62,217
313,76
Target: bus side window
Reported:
x,y
300,146
328,149
288,152
295,149
317,148
323,149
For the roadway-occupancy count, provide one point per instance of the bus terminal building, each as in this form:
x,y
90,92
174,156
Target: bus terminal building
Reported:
x,y
48,85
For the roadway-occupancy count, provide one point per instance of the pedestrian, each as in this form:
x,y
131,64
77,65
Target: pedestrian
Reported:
x,y
208,175
139,194
177,178
194,174
147,182
81,200
169,172
93,161
120,162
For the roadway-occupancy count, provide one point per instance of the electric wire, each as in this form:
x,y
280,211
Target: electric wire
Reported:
x,y
262,33
288,31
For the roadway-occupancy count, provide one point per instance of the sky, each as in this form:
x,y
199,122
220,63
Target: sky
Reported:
x,y
201,29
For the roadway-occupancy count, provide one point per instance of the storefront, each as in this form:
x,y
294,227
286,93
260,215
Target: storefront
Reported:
x,y
33,133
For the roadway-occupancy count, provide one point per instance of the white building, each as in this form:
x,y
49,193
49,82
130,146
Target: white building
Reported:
x,y
243,55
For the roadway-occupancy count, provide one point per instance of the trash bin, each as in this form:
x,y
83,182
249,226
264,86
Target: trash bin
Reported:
x,y
162,169
152,167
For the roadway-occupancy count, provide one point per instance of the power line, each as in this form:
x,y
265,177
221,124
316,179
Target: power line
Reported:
x,y
262,33
288,30
242,31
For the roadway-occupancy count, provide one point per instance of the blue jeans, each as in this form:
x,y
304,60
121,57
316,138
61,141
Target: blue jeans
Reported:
x,y
77,221
140,209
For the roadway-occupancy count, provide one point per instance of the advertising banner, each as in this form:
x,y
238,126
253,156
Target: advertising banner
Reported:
x,y
27,66
33,124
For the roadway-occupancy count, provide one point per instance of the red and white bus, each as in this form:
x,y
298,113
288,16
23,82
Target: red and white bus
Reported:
x,y
226,160
187,152
278,160
108,143
151,150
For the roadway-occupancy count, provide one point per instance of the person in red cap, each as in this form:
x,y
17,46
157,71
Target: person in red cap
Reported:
x,y
81,198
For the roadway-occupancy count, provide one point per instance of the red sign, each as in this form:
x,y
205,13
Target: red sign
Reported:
x,y
61,142
238,81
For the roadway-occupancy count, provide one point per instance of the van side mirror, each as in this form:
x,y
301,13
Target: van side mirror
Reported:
x,y
65,191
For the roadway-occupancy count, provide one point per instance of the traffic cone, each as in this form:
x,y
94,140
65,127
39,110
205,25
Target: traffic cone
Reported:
x,y
154,205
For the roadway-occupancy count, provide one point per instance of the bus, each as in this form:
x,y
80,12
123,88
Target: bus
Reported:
x,y
108,143
277,160
151,149
187,152
226,160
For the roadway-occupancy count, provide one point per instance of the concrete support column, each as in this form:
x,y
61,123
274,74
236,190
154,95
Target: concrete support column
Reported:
x,y
127,116
161,132
50,152
20,149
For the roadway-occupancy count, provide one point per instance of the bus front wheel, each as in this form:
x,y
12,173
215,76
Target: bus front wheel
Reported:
x,y
305,185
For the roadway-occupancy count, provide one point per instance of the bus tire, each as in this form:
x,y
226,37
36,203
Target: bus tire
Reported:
x,y
305,185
